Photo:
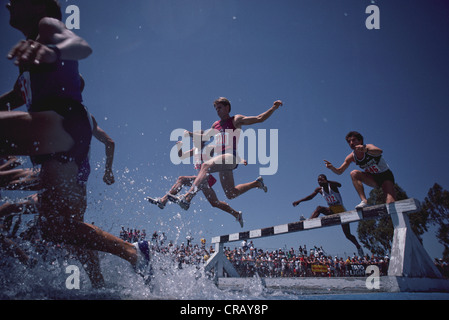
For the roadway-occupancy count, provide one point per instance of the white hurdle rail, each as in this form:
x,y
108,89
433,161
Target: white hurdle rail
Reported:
x,y
408,257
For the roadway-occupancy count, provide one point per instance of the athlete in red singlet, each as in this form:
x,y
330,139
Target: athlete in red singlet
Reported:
x,y
206,187
227,160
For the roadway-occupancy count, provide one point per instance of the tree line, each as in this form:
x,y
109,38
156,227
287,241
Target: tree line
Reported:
x,y
377,235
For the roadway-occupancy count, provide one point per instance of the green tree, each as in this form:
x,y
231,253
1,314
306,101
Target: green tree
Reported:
x,y
377,235
436,206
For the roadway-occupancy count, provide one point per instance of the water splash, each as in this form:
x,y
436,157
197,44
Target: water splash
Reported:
x,y
170,280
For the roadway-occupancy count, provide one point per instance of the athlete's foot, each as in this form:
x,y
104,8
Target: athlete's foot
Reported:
x,y
239,219
173,198
261,184
184,204
181,201
156,201
143,258
362,205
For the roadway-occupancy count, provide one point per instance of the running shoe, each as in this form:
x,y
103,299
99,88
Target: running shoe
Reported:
x,y
143,258
156,201
184,204
181,201
239,219
173,198
262,185
302,218
361,205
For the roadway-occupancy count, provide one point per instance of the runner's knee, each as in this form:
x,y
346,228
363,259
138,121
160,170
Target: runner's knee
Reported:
x,y
206,165
356,175
215,204
231,194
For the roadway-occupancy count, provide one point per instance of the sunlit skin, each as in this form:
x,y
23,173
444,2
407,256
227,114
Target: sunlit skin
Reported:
x,y
358,177
63,201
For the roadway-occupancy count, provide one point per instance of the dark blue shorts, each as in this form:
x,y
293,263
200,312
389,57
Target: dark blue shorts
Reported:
x,y
380,178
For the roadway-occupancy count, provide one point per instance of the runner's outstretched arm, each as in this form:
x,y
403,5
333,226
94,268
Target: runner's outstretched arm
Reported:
x,y
309,197
241,120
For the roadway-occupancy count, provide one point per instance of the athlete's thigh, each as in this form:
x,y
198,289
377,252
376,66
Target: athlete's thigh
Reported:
x,y
388,188
225,162
324,210
23,133
210,194
368,179
227,180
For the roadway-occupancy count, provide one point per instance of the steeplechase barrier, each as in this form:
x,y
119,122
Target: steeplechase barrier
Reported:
x,y
410,267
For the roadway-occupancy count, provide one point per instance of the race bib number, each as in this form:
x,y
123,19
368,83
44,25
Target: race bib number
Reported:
x,y
25,88
330,199
372,169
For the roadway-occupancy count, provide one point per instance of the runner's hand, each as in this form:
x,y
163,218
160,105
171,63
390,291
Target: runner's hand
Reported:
x,y
108,177
328,164
277,104
361,148
31,52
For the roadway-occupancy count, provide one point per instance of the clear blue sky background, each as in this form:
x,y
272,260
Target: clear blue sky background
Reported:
x,y
158,66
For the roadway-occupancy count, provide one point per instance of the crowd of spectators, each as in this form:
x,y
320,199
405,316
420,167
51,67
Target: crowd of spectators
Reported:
x,y
132,235
184,254
314,262
249,260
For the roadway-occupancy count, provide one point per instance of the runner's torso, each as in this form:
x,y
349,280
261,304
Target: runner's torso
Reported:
x,y
227,130
332,198
47,81
57,87
371,164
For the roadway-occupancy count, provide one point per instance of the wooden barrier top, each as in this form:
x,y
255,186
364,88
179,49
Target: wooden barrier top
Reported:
x,y
371,212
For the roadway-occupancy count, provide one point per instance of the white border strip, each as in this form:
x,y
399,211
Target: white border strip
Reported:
x,y
350,216
283,228
255,233
312,223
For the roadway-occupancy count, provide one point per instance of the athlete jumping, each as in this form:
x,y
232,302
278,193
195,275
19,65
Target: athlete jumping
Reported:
x,y
376,171
329,190
226,135
56,130
206,187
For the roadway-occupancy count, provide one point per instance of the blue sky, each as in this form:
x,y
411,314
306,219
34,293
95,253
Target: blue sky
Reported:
x,y
158,66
